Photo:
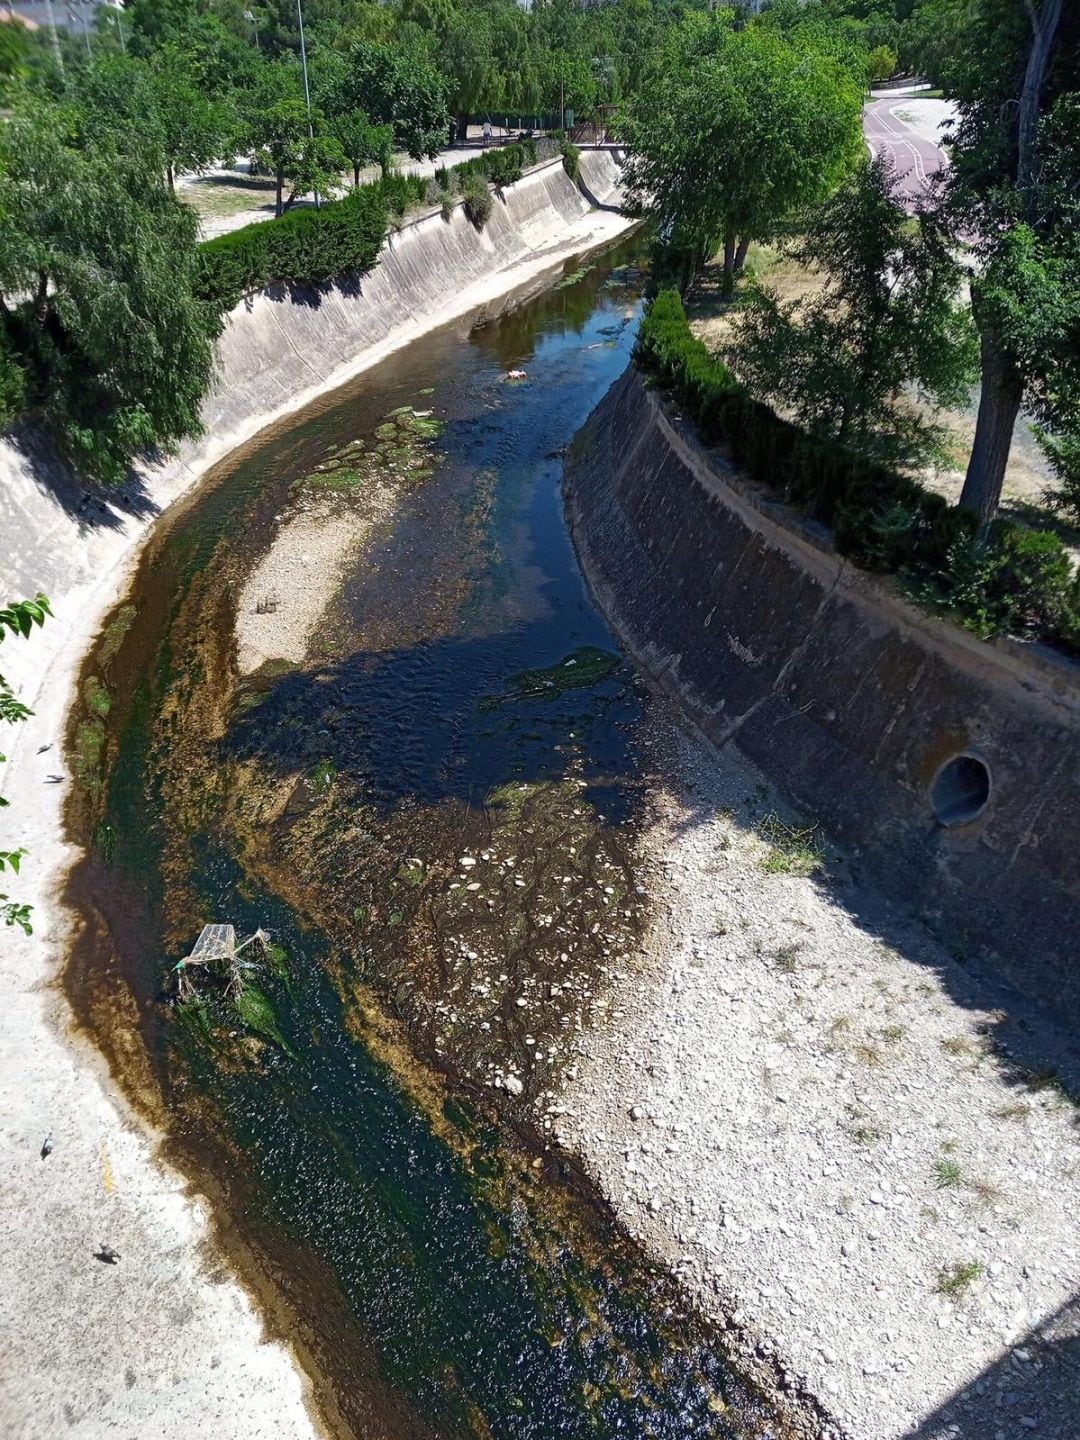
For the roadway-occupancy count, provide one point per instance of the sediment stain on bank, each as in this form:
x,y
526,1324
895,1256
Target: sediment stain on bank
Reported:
x,y
434,815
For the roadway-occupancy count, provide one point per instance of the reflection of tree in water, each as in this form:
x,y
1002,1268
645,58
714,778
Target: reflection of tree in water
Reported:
x,y
513,340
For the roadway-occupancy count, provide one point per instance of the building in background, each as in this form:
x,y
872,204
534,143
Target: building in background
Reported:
x,y
74,15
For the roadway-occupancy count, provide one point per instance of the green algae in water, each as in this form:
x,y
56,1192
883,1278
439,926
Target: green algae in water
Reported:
x,y
97,697
114,634
580,670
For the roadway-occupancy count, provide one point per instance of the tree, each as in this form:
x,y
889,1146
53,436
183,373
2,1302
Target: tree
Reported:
x,y
18,617
398,85
1013,70
97,274
308,162
158,106
364,143
195,131
290,143
886,322
735,130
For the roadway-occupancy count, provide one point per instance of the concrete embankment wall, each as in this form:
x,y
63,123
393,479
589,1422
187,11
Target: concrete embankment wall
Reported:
x,y
280,349
875,718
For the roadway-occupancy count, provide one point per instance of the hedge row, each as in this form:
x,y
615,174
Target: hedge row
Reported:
x,y
311,246
301,246
501,166
1013,579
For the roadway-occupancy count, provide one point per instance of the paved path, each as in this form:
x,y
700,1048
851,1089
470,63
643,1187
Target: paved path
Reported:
x,y
907,130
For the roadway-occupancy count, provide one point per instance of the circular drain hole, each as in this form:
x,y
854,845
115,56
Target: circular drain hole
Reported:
x,y
961,790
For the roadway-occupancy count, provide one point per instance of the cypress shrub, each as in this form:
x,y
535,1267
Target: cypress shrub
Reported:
x,y
303,246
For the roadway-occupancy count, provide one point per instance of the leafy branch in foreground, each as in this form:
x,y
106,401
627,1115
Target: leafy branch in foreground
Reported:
x,y
18,617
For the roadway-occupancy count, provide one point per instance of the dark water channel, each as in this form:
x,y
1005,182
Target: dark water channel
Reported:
x,y
362,1117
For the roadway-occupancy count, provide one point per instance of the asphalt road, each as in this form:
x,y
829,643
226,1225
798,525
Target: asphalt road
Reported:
x,y
916,157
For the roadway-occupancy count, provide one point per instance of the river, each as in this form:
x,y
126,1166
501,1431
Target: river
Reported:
x,y
433,811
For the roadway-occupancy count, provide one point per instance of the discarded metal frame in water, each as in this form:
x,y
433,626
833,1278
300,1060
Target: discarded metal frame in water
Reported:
x,y
216,948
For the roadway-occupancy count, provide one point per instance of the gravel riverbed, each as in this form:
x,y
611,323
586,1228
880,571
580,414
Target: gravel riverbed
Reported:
x,y
806,1105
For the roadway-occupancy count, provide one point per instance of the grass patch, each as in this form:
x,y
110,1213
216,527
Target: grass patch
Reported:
x,y
114,632
947,1173
792,849
955,1280
89,748
1017,1110
786,959
322,776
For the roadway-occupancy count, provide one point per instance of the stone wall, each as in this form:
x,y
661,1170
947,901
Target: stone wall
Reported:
x,y
948,767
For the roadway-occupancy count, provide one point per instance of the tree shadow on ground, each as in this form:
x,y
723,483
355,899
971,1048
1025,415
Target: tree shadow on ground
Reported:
x,y
1026,1392
92,506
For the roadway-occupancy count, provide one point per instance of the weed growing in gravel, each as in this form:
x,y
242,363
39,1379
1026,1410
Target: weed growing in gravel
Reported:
x,y
1018,1110
956,1279
719,930
793,849
865,1134
893,1034
786,959
960,1045
947,1173
985,1193
870,1055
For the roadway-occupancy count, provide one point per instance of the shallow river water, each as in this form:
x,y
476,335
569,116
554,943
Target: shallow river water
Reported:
x,y
434,816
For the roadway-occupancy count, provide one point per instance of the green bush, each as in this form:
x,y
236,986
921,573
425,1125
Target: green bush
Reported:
x,y
571,160
303,246
1013,580
478,201
446,203
12,387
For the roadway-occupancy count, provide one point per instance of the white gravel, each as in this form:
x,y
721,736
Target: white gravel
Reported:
x,y
775,1114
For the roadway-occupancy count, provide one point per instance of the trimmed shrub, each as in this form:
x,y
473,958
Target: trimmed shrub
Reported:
x,y
1012,580
478,201
303,246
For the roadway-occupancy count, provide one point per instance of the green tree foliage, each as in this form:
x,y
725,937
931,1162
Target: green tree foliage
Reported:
x,y
293,145
18,618
397,85
160,104
363,143
886,326
97,265
1012,194
734,131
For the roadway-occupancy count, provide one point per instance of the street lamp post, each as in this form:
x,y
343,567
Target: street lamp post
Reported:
x,y
307,91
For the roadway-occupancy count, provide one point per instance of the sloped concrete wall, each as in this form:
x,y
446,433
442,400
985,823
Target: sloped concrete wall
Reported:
x,y
280,349
845,695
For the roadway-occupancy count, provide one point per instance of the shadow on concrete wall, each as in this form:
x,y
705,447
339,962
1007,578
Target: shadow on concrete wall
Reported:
x,y
1026,1392
92,506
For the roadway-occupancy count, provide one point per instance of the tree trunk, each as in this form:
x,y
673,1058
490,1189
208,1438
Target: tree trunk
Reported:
x,y
461,127
279,179
1002,382
729,263
740,254
1045,18
172,178
999,405
356,177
